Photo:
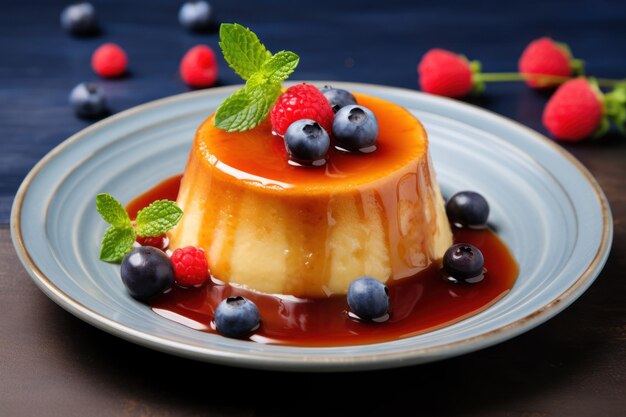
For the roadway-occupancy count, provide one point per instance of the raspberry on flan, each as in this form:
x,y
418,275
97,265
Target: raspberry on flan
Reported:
x,y
308,232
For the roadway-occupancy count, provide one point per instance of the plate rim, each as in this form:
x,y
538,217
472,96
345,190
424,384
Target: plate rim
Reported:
x,y
327,362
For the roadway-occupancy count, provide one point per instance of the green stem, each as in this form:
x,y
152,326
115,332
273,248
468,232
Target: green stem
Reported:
x,y
516,76
606,82
499,77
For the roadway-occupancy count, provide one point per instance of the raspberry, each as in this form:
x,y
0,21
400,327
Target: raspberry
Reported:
x,y
198,68
109,61
575,111
190,266
445,73
159,242
301,101
544,56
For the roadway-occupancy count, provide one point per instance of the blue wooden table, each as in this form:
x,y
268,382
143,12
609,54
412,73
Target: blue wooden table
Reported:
x,y
53,364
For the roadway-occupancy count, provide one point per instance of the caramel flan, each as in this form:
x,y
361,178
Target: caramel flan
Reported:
x,y
308,232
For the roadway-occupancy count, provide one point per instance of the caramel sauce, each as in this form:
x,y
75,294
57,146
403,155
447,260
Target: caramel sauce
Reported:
x,y
165,190
419,304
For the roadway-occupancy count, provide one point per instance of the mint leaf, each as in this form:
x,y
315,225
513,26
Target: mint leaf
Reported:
x,y
116,243
242,49
248,107
264,72
280,66
112,211
158,218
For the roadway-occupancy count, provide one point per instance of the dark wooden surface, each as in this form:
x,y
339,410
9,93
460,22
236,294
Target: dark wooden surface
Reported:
x,y
51,363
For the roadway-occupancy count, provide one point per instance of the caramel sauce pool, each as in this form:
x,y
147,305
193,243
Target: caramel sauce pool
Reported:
x,y
418,304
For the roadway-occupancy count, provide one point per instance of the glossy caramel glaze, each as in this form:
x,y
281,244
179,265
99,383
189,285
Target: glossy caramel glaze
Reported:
x,y
308,232
257,158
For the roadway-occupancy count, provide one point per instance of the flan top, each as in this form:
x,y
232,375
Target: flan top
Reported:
x,y
259,159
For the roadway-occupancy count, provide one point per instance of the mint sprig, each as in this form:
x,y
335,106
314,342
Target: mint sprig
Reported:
x,y
264,72
157,218
279,67
116,243
154,220
112,211
242,49
247,107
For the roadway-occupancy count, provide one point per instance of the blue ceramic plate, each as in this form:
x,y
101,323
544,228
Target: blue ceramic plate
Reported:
x,y
545,206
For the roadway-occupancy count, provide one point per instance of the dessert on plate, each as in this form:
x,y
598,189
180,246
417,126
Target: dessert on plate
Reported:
x,y
306,216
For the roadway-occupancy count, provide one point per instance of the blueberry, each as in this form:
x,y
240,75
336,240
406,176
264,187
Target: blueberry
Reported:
x,y
467,208
307,142
368,298
464,262
337,97
236,317
79,19
195,16
88,100
146,272
355,128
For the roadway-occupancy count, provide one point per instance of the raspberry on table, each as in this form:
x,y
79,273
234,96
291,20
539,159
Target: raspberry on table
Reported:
x,y
198,68
301,101
190,266
445,73
546,57
109,61
575,111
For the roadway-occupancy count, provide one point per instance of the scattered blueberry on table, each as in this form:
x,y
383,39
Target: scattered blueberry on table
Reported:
x,y
88,100
196,16
80,19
